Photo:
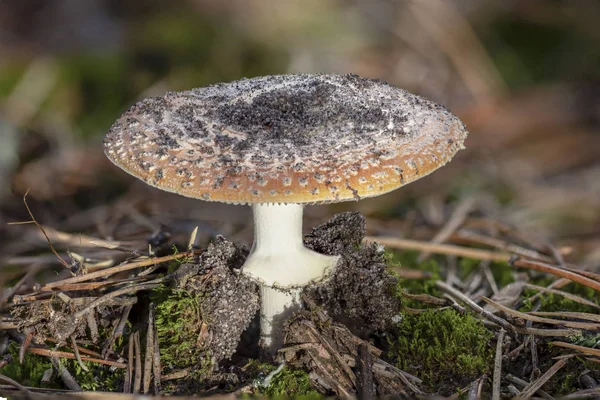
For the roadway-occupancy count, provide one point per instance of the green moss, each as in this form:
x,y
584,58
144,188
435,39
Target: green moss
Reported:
x,y
288,382
442,347
556,302
566,380
30,372
586,340
178,323
408,259
98,377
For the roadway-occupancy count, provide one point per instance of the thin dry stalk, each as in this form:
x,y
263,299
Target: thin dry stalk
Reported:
x,y
566,295
102,300
587,274
33,220
475,388
348,371
447,249
529,390
137,382
64,354
82,350
120,268
548,332
522,383
550,269
129,371
80,240
489,276
489,316
90,318
149,351
16,385
585,350
77,355
366,385
468,237
118,331
94,285
404,377
156,366
425,298
24,347
498,366
408,273
567,314
583,394
192,240
65,375
533,318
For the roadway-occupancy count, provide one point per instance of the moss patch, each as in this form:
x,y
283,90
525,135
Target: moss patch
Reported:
x,y
178,323
288,382
556,302
408,259
30,372
442,347
97,377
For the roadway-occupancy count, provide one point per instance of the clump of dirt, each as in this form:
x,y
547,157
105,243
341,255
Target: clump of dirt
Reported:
x,y
228,299
361,293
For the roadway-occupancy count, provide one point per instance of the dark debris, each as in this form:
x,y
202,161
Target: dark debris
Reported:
x,y
230,299
361,293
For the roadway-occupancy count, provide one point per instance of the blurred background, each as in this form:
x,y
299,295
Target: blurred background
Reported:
x,y
523,75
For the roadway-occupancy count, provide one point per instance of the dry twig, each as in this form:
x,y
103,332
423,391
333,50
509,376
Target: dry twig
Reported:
x,y
119,268
452,291
582,349
551,269
438,248
529,390
550,321
64,354
498,366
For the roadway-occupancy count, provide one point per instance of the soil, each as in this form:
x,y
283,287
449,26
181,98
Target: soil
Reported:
x,y
361,293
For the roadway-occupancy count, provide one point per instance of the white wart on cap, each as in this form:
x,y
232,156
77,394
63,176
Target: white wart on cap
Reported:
x,y
285,139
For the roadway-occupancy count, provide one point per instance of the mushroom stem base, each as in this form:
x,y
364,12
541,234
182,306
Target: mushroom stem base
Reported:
x,y
278,256
277,306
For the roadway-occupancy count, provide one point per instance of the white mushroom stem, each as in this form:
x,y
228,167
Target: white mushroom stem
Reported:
x,y
281,264
276,307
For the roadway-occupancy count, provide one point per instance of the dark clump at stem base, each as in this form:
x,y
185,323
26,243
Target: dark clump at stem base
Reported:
x,y
361,292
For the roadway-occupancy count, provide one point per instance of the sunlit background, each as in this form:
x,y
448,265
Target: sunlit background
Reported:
x,y
523,76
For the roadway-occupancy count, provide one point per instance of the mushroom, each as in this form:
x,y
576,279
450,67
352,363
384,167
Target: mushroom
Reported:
x,y
279,143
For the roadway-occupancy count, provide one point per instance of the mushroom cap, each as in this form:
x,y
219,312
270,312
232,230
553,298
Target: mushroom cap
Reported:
x,y
285,139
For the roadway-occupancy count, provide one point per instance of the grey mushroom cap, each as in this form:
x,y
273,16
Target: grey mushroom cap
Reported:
x,y
285,139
